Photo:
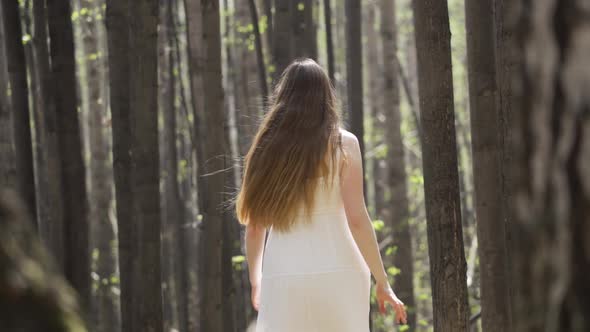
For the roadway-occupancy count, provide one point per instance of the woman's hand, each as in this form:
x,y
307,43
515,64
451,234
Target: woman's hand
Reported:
x,y
255,296
386,295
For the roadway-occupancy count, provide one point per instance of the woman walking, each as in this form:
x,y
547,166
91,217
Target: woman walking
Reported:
x,y
303,183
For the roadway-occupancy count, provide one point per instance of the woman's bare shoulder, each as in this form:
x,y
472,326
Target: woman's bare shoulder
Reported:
x,y
349,140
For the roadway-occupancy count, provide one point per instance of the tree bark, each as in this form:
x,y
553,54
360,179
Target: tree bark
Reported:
x,y
441,179
397,179
49,173
132,36
294,34
487,169
268,7
196,70
259,53
354,70
551,162
63,66
213,178
507,64
8,172
248,98
329,42
283,42
173,212
304,30
106,310
19,103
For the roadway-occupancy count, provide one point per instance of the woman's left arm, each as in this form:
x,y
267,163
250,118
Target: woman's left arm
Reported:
x,y
255,236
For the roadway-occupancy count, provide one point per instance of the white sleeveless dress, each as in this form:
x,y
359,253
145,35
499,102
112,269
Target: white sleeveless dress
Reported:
x,y
314,278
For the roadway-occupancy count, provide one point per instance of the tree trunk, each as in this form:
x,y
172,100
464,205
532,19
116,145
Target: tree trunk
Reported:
x,y
304,30
213,178
173,212
248,97
268,8
49,173
373,103
19,103
35,297
105,311
283,42
8,172
441,179
63,65
487,169
258,46
551,162
133,67
196,69
507,59
329,42
397,179
354,70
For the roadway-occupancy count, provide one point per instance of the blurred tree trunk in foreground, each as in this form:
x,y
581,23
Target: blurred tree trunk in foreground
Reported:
x,y
552,167
33,294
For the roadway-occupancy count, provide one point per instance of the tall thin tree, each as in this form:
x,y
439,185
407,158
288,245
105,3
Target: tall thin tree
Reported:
x,y
354,70
213,178
329,42
196,71
75,203
19,103
396,164
48,168
173,212
258,47
441,178
282,42
8,173
304,29
105,306
487,169
132,37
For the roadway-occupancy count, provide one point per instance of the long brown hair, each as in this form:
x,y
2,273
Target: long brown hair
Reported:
x,y
295,146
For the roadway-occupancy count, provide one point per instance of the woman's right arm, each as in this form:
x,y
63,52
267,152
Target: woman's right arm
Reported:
x,y
255,237
361,226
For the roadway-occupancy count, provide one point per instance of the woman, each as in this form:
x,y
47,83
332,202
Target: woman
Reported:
x,y
303,182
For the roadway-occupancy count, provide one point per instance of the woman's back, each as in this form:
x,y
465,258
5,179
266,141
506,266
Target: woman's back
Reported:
x,y
318,243
313,275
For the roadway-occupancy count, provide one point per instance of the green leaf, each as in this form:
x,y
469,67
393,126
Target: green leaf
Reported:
x,y
378,225
300,6
238,259
404,328
393,271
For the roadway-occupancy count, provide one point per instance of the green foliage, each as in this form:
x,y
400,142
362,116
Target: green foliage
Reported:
x,y
301,6
26,38
391,250
393,271
378,225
